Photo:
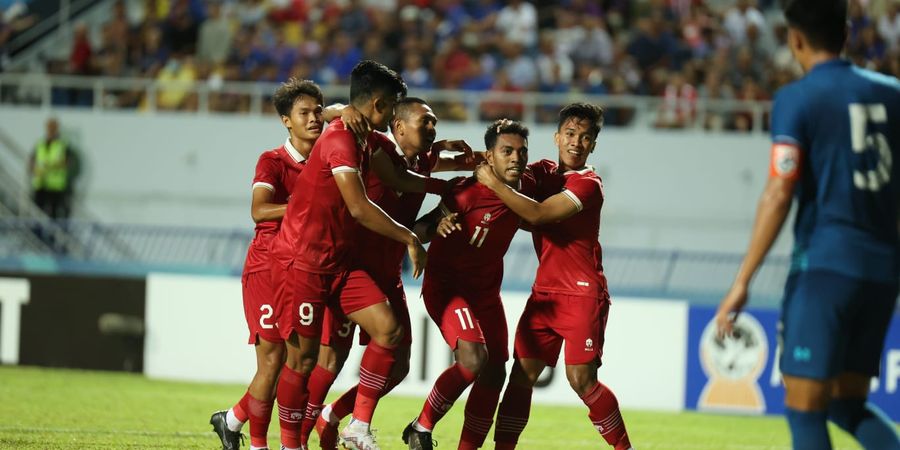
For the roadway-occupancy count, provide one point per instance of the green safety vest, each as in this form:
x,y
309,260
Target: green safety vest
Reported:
x,y
50,171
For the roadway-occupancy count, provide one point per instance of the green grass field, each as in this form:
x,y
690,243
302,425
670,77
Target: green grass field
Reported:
x,y
54,409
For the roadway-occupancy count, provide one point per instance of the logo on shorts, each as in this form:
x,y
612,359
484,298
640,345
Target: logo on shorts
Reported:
x,y
486,218
734,364
802,354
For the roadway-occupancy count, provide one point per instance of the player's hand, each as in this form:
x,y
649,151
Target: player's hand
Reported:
x,y
486,175
732,305
356,122
418,256
455,146
448,224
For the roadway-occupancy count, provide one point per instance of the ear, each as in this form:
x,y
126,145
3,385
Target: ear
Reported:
x,y
379,104
286,121
399,126
796,40
556,139
489,157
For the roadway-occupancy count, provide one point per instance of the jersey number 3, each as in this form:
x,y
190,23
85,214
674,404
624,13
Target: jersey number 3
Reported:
x,y
861,115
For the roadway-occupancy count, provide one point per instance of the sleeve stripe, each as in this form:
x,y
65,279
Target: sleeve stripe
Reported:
x,y
344,169
574,199
263,184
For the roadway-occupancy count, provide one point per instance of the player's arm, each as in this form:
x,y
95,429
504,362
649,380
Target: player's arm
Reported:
x,y
372,217
558,207
262,209
400,179
771,213
439,221
466,160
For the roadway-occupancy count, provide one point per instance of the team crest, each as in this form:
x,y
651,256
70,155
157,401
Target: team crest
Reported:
x,y
486,218
588,345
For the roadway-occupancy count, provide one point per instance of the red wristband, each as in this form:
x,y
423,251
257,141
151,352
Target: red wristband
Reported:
x,y
435,186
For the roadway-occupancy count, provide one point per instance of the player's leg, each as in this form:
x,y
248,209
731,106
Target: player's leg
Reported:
x,y
536,346
848,407
300,324
582,322
485,394
366,305
256,404
814,336
464,335
337,337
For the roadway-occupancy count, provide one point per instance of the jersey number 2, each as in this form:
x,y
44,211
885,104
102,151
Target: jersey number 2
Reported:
x,y
860,116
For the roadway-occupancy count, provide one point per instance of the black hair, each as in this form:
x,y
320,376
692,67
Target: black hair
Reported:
x,y
403,108
503,126
582,111
823,22
370,78
290,91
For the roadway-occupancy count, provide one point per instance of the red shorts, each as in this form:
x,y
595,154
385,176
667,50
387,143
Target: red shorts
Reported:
x,y
339,333
548,319
260,306
344,292
470,317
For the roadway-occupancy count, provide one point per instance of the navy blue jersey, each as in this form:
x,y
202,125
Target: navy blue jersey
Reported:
x,y
844,122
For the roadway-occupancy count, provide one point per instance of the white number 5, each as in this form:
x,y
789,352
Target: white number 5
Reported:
x,y
860,116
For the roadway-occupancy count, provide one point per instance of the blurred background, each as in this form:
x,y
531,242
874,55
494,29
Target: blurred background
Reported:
x,y
163,107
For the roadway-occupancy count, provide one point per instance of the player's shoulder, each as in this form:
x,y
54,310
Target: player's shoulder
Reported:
x,y
273,155
543,166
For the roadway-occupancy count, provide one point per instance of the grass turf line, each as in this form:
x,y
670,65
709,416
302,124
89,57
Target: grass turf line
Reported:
x,y
73,409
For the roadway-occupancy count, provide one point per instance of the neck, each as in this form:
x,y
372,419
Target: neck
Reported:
x,y
816,58
302,146
564,168
408,152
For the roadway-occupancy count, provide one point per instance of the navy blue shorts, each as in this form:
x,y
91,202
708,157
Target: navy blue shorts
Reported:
x,y
832,323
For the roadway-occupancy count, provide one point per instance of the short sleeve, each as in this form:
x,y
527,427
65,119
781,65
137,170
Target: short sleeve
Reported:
x,y
268,172
341,154
585,192
788,119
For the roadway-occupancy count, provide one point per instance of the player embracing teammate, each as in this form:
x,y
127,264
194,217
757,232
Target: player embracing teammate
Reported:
x,y
569,300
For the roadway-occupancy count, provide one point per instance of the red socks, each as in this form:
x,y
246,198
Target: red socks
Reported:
x,y
480,408
241,408
320,381
604,414
512,416
374,370
448,387
260,416
292,396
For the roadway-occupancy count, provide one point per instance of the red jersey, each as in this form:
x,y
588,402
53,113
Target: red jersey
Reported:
x,y
571,259
472,258
276,170
381,256
317,232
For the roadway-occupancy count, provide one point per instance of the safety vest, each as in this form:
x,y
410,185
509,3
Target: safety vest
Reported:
x,y
50,171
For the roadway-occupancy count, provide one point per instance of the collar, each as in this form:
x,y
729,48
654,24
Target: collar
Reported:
x,y
581,171
409,163
293,151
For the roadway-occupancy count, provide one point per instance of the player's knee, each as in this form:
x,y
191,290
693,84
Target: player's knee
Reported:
x,y
400,369
581,381
493,375
473,358
395,336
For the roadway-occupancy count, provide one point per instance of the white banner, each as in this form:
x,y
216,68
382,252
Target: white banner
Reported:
x,y
196,331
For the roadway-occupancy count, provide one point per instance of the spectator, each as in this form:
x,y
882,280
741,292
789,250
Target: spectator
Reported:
x,y
889,26
652,45
214,41
54,167
679,103
341,58
596,47
519,67
737,20
517,23
80,60
554,68
181,28
414,73
176,80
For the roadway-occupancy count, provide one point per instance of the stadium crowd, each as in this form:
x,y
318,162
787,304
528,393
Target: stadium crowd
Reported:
x,y
678,50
